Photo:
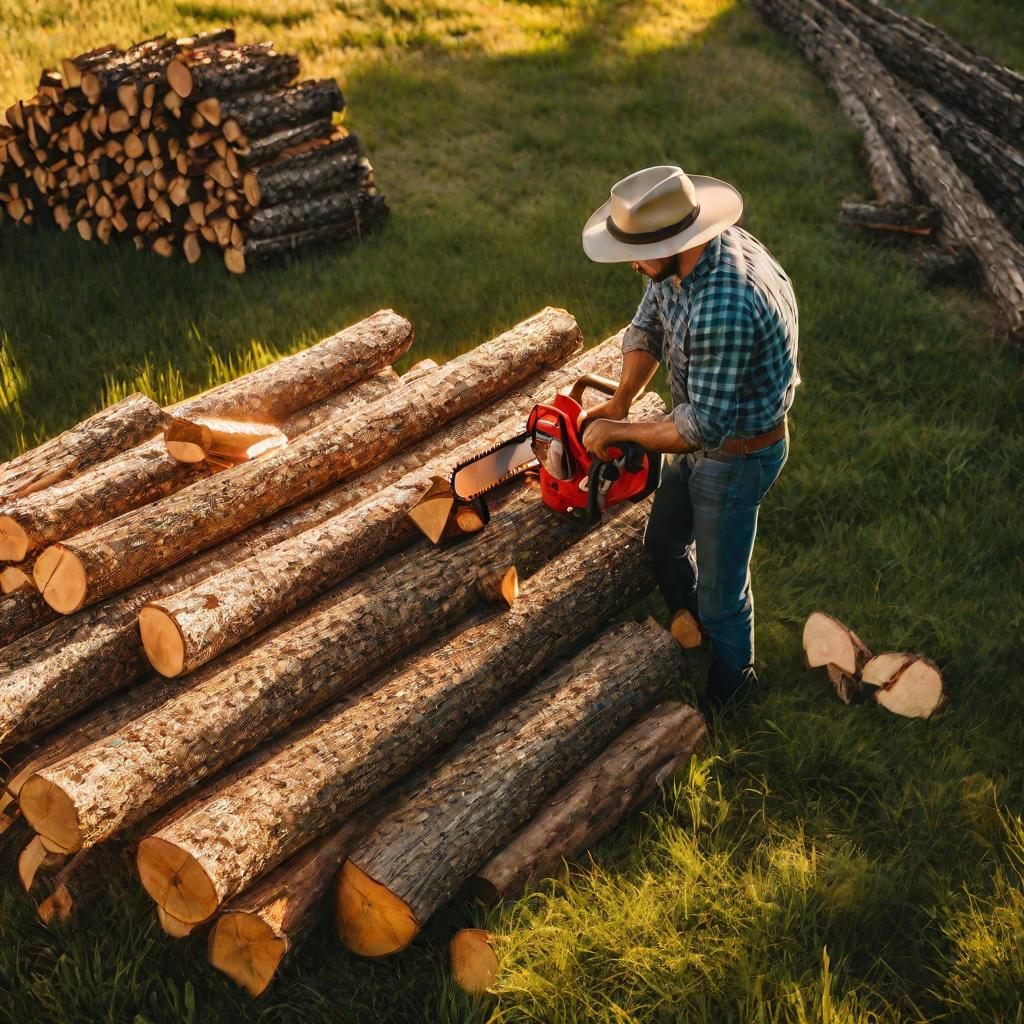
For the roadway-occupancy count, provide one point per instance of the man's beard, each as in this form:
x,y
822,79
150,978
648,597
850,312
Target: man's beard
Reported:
x,y
671,269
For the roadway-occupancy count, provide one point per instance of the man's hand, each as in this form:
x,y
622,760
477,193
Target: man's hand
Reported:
x,y
601,434
615,408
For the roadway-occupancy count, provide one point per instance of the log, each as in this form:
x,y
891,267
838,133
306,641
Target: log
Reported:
x,y
371,209
967,219
358,206
421,853
17,577
260,114
225,68
474,963
192,440
327,168
351,753
113,430
905,684
102,561
185,632
910,220
828,643
85,657
260,150
619,780
20,614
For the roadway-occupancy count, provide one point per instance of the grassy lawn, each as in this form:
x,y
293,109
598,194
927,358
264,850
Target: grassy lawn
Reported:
x,y
820,863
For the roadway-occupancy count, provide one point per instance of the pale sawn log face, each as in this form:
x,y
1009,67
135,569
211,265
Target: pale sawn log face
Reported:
x,y
143,542
425,850
348,755
622,778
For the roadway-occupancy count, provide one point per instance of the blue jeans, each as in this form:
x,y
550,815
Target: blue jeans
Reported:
x,y
700,537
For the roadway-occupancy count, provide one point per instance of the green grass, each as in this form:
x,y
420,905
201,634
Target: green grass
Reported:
x,y
820,863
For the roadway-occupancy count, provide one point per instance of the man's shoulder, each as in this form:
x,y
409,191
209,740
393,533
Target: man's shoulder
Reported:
x,y
747,265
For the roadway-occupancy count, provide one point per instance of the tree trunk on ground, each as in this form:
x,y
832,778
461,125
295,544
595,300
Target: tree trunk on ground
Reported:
x,y
346,756
618,781
341,403
259,114
100,562
967,219
113,430
85,657
185,632
909,220
226,68
20,614
421,853
228,710
965,85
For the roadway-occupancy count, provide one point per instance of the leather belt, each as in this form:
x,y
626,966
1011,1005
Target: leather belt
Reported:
x,y
748,445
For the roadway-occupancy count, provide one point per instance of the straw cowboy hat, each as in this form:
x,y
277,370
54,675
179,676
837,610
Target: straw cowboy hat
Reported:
x,y
658,212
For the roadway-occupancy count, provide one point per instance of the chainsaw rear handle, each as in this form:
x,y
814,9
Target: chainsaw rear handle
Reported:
x,y
595,381
632,457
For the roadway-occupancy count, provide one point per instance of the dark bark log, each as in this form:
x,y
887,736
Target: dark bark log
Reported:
x,y
100,562
967,219
420,854
118,427
258,114
619,780
888,179
223,69
346,206
20,614
260,150
910,220
330,168
349,754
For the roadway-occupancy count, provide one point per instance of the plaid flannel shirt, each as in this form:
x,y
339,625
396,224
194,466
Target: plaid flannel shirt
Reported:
x,y
727,335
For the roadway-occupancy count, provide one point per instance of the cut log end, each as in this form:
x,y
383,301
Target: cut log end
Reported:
x,y
175,880
501,586
13,540
60,578
187,441
686,629
369,918
51,812
828,642
57,907
14,578
246,949
433,512
474,963
171,926
32,859
915,691
179,78
162,640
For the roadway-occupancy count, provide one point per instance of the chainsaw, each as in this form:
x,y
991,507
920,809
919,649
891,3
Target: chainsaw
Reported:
x,y
572,481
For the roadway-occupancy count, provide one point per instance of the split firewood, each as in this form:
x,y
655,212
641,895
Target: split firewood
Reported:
x,y
219,69
346,756
906,684
474,962
829,643
36,857
193,440
619,780
17,577
421,853
967,220
115,429
259,150
102,561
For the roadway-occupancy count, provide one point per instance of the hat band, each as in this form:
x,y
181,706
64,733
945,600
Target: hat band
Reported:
x,y
646,237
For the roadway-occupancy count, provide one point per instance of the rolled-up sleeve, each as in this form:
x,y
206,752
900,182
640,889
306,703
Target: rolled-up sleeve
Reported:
x,y
646,332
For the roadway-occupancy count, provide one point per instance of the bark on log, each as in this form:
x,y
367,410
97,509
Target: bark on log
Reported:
x,y
328,168
348,206
260,150
260,114
20,614
967,219
185,632
228,710
225,68
118,427
354,751
85,657
424,851
102,561
962,84
618,781
908,220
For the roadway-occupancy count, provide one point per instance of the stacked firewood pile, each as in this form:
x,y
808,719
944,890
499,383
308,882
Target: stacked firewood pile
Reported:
x,y
232,648
942,127
182,144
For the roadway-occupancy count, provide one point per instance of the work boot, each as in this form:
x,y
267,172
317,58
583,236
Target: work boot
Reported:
x,y
727,685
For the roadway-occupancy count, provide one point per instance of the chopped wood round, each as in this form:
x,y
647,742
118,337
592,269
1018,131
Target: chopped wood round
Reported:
x,y
371,920
246,949
915,691
882,668
475,965
175,880
60,579
13,540
57,907
46,803
172,926
686,629
828,642
162,639
179,78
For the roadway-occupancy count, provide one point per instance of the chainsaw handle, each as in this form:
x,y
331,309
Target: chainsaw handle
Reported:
x,y
595,381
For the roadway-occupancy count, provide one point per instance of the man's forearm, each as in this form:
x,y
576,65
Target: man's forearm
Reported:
x,y
638,368
656,436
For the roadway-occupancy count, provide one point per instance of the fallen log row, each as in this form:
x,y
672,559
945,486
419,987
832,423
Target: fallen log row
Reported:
x,y
967,220
165,142
422,852
184,632
620,779
125,550
349,754
120,426
143,474
85,657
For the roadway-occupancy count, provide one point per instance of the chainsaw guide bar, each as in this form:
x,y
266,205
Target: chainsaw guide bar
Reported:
x,y
490,469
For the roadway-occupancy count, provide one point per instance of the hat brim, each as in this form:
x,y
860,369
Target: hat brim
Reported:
x,y
720,207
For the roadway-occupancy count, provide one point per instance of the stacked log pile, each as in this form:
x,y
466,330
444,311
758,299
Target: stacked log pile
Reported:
x,y
942,127
187,144
261,671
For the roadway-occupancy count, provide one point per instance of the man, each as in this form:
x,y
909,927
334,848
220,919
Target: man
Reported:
x,y
720,313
